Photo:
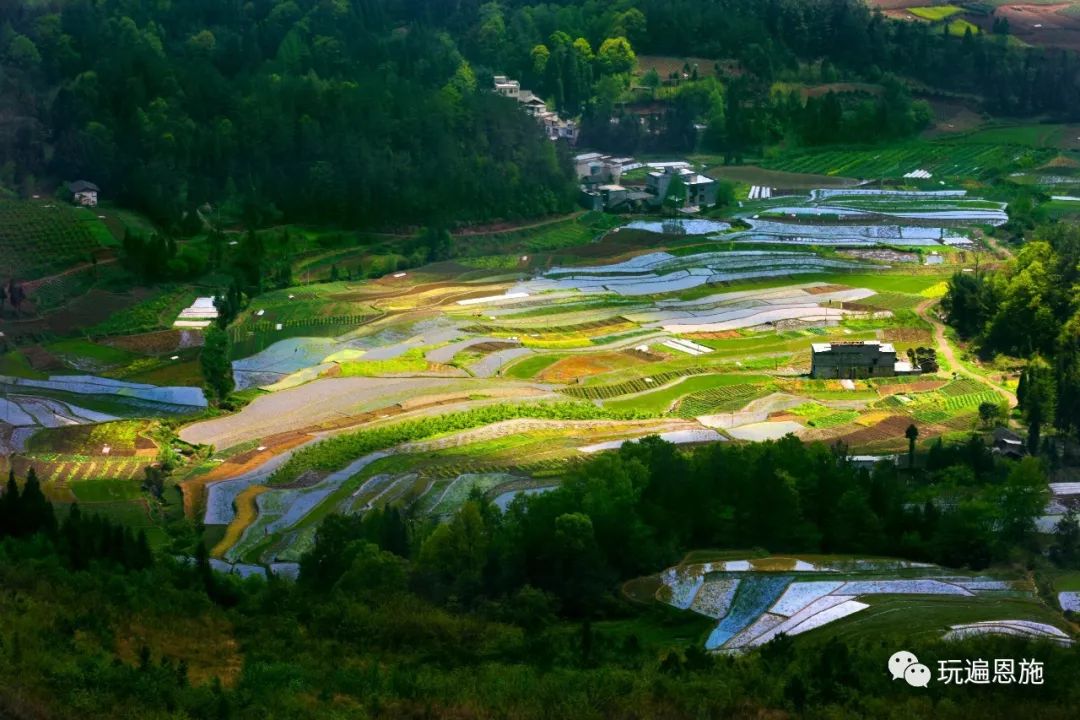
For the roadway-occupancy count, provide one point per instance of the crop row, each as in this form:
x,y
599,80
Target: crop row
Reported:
x,y
963,386
63,472
714,400
338,451
938,158
961,402
238,332
606,392
26,228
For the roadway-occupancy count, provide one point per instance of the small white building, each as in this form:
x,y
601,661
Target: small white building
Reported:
x,y
507,87
84,193
555,127
700,190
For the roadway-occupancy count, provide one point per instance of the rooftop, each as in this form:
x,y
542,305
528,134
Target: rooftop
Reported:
x,y
828,347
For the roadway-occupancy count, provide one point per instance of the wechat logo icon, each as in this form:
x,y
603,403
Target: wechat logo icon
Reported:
x,y
905,666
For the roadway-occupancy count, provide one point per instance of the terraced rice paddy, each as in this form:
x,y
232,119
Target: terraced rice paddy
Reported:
x,y
755,600
695,329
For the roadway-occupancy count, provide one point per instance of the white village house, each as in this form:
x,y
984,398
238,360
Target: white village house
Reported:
x,y
700,190
554,127
84,193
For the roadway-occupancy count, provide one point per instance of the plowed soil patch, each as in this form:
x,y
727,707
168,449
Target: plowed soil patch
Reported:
x,y
41,359
822,289
905,388
571,368
888,429
907,335
156,343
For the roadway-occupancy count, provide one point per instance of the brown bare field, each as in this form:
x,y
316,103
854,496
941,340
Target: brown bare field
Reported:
x,y
888,429
569,369
953,116
718,335
1061,161
85,311
41,359
822,289
907,335
913,387
1058,28
156,343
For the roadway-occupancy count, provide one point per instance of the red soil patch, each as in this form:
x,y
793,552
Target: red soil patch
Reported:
x,y
156,343
41,359
908,335
1057,28
822,289
571,368
888,429
904,388
85,311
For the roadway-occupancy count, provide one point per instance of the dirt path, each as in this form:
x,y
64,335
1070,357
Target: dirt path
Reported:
x,y
498,228
31,285
924,311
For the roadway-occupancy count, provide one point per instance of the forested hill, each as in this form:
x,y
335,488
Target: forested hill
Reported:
x,y
338,111
374,111
769,38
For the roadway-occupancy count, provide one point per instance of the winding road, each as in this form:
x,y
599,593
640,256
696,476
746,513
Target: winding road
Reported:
x,y
923,309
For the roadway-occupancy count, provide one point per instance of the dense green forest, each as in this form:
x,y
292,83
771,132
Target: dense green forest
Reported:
x,y
513,615
373,112
1031,310
312,110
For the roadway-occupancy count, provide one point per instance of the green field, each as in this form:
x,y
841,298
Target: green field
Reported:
x,y
926,617
934,13
945,159
28,226
661,401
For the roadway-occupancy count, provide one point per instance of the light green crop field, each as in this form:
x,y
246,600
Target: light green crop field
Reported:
x,y
944,159
928,617
660,401
934,13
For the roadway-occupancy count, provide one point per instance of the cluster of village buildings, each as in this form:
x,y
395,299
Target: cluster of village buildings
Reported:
x,y
602,187
555,127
